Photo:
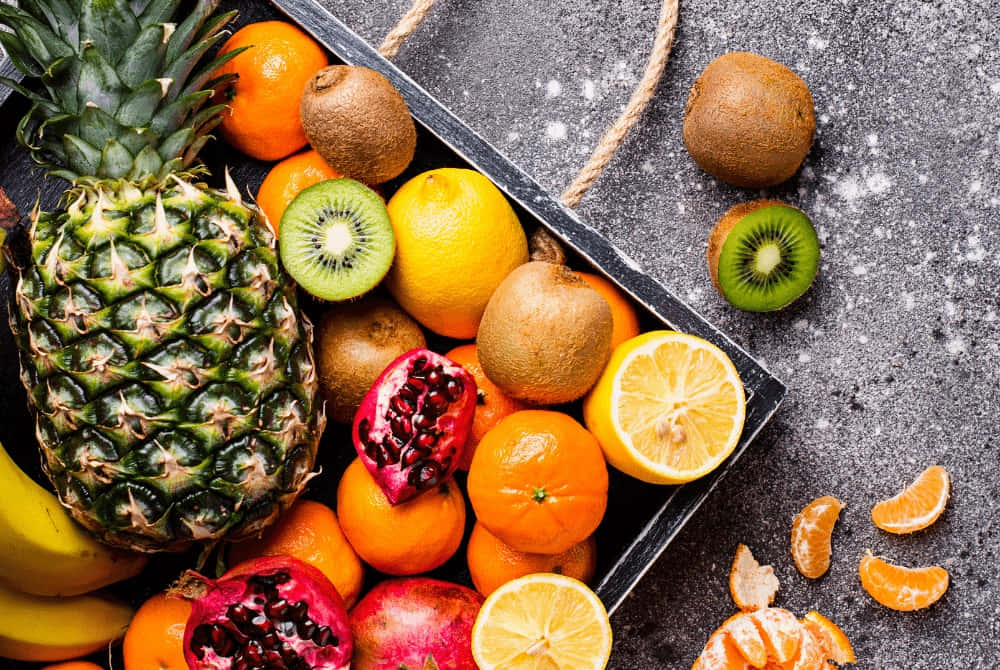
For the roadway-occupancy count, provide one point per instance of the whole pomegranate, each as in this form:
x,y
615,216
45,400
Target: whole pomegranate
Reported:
x,y
274,612
413,424
414,624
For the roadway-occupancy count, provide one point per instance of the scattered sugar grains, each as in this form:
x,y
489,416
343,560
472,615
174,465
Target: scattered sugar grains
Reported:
x,y
555,130
552,89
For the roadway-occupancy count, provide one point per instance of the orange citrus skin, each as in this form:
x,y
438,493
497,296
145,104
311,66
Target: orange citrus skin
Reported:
x,y
493,563
624,320
263,117
310,532
539,482
492,404
74,665
287,179
405,539
155,638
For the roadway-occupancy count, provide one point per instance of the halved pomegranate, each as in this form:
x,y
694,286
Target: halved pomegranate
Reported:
x,y
272,613
413,424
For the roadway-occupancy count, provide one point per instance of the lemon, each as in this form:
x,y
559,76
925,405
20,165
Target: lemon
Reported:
x,y
669,407
542,621
457,238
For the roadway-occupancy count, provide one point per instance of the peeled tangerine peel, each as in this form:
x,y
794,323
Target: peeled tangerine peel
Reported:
x,y
752,585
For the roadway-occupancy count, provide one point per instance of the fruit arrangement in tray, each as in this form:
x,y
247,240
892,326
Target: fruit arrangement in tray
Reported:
x,y
180,390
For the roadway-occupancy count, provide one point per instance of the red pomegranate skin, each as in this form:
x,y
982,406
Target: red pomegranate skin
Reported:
x,y
413,425
289,611
402,623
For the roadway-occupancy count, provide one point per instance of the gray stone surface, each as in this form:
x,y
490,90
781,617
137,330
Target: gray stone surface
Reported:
x,y
893,358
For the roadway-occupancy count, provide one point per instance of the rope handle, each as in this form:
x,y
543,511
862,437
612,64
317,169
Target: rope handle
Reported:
x,y
615,135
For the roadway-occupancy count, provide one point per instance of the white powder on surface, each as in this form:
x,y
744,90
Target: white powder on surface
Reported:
x,y
555,130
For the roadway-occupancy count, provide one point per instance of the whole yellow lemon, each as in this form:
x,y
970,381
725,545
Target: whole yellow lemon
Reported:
x,y
457,237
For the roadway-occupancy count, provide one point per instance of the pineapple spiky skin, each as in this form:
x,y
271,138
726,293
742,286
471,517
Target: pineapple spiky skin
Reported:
x,y
168,367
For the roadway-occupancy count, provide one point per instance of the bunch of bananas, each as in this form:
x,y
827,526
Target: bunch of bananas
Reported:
x,y
49,567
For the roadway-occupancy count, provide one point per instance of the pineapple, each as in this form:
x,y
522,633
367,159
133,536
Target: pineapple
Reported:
x,y
167,365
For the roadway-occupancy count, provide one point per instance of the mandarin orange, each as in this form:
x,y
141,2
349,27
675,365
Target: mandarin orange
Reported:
x,y
624,319
539,482
287,179
155,638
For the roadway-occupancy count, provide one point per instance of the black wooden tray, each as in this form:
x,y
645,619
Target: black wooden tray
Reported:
x,y
641,520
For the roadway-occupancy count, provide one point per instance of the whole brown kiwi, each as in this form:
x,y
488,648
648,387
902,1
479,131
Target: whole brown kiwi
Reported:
x,y
358,122
354,343
749,120
545,336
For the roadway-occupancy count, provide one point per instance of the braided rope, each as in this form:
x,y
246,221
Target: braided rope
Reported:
x,y
615,135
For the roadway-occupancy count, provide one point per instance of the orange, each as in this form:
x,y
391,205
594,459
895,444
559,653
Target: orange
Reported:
x,y
492,404
155,638
310,532
263,118
899,588
539,482
74,665
406,539
834,639
624,320
287,179
917,506
493,563
811,533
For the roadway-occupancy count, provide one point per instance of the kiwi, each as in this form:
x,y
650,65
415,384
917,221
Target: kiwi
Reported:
x,y
763,255
358,122
354,344
336,239
545,336
749,120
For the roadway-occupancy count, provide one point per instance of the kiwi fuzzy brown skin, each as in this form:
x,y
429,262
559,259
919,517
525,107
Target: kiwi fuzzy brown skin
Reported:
x,y
749,120
545,336
723,227
359,123
354,343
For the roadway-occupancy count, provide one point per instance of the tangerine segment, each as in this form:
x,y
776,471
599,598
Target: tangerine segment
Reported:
x,y
752,585
721,653
837,646
542,621
917,506
669,407
899,588
811,533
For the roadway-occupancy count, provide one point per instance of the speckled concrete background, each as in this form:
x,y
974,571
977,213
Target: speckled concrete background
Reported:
x,y
893,359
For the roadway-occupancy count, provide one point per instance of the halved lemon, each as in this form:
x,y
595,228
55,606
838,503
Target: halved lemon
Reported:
x,y
669,407
540,621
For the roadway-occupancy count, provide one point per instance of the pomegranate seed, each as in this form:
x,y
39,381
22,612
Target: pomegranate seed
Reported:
x,y
422,421
324,637
416,384
434,377
426,440
363,427
419,363
401,427
436,401
409,393
400,404
392,445
454,389
410,456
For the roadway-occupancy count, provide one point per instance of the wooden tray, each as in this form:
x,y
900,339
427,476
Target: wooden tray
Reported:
x,y
641,520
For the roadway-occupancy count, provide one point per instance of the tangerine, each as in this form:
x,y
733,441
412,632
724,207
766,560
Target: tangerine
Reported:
x,y
624,320
310,532
539,482
404,539
492,404
493,563
899,588
917,506
73,665
155,638
287,179
263,117
812,530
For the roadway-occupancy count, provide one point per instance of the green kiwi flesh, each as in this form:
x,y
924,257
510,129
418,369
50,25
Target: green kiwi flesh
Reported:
x,y
769,259
336,240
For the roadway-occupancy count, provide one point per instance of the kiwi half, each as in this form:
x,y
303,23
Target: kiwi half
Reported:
x,y
336,239
763,255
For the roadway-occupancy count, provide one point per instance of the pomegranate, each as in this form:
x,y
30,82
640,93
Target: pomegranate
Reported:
x,y
413,424
415,624
273,612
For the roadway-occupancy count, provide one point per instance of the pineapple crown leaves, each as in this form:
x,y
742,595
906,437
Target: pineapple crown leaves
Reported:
x,y
121,92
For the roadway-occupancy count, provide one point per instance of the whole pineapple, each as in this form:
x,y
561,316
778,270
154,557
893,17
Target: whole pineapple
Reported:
x,y
167,364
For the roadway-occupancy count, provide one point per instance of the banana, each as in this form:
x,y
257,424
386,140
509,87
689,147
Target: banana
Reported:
x,y
43,551
39,628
